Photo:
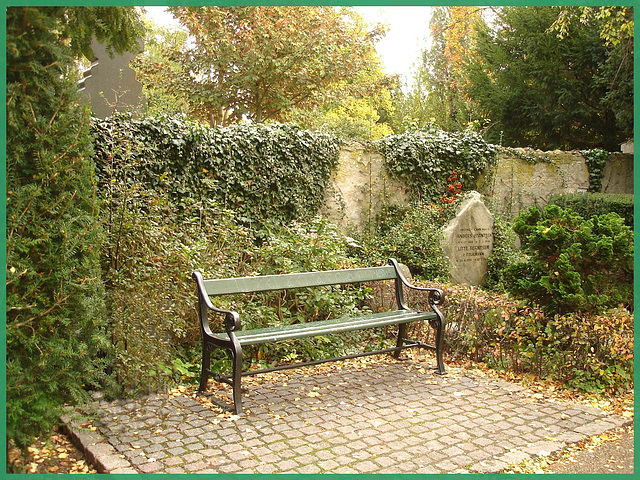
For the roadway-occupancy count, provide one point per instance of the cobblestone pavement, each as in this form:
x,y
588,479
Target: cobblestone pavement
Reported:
x,y
390,417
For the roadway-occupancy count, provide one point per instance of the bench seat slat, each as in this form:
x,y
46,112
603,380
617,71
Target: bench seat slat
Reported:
x,y
320,327
264,283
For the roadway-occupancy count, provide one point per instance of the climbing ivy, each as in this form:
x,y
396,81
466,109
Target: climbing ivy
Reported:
x,y
596,159
426,160
277,172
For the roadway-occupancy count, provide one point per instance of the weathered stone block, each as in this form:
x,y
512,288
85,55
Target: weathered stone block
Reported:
x,y
617,175
469,241
359,187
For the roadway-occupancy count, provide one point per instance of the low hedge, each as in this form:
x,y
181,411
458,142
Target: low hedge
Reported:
x,y
590,204
588,353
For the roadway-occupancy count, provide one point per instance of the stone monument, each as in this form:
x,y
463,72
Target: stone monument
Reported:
x,y
468,241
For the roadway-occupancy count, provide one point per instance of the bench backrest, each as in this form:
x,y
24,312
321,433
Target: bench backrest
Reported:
x,y
265,283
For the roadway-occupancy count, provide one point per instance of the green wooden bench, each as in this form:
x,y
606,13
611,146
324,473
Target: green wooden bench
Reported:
x,y
235,337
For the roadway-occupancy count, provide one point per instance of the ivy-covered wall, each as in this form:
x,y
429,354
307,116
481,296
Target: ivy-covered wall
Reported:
x,y
263,173
281,172
520,179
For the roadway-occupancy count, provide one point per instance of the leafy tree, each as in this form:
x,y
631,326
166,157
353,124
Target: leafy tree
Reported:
x,y
55,325
158,38
354,116
260,62
441,80
541,90
437,95
410,110
615,23
616,29
357,118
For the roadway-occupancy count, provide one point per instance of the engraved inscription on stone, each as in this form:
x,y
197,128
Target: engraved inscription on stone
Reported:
x,y
471,244
469,241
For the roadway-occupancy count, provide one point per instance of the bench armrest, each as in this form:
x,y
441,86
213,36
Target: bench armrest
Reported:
x,y
436,295
231,318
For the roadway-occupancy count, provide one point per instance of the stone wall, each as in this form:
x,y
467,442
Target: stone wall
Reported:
x,y
518,183
361,185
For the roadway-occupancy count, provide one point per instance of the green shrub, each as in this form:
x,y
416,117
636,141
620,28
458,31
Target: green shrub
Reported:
x,y
159,178
574,265
55,332
413,236
306,246
152,245
151,250
590,204
503,254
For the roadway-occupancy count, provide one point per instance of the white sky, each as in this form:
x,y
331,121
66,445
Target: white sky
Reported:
x,y
398,50
407,36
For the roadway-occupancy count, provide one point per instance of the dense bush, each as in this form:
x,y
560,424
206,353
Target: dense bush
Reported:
x,y
574,265
413,235
590,204
150,252
503,254
55,332
262,172
590,353
427,160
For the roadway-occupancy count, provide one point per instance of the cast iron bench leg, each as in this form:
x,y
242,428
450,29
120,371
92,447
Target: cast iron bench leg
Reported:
x,y
439,346
206,364
402,333
236,351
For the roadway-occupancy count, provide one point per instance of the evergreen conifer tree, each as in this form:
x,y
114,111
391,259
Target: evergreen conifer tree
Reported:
x,y
55,326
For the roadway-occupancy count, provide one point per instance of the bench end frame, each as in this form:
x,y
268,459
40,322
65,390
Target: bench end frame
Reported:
x,y
435,298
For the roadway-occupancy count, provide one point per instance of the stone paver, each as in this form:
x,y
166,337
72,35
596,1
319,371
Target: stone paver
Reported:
x,y
380,418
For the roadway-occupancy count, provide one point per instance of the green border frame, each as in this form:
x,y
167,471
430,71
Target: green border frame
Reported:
x,y
143,3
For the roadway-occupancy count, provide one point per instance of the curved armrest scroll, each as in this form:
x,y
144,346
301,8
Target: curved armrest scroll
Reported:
x,y
436,295
232,322
231,319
